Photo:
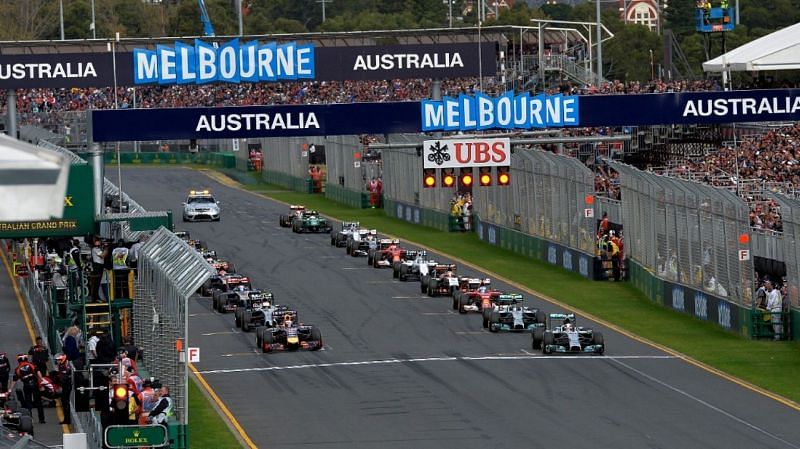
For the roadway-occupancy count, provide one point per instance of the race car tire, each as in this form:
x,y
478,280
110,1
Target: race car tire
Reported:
x,y
246,319
456,299
463,301
231,267
259,332
316,335
423,284
493,318
214,303
348,249
26,424
537,337
541,317
202,244
375,263
333,240
266,340
546,342
369,259
486,314
13,405
184,219
433,288
396,270
237,318
597,339
403,275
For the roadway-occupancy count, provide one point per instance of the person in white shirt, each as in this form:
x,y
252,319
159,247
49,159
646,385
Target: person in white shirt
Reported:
x,y
91,348
775,307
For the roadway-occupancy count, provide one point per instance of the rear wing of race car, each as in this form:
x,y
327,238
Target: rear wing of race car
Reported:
x,y
279,316
296,207
445,267
183,235
561,318
350,224
509,298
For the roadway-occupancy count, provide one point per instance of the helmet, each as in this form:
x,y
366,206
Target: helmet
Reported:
x,y
240,288
482,289
2,355
569,327
22,358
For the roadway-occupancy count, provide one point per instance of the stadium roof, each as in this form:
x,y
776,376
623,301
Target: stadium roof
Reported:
x,y
32,181
501,34
776,51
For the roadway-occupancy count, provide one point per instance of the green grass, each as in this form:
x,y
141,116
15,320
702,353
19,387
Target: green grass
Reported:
x,y
770,365
207,430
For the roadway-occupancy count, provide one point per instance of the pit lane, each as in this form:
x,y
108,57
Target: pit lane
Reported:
x,y
450,384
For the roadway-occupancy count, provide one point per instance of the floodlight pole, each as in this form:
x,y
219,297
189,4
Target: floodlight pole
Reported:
x,y
94,25
61,17
599,46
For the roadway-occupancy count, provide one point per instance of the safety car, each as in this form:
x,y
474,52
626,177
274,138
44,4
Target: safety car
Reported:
x,y
201,205
339,238
310,221
564,335
289,336
414,265
295,210
508,314
442,280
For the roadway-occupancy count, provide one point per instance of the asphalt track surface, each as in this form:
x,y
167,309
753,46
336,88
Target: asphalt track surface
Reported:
x,y
15,339
404,371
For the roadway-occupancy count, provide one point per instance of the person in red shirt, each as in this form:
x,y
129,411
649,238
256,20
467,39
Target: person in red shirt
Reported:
x,y
27,374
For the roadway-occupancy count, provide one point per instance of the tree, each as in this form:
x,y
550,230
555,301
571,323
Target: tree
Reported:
x,y
28,19
557,11
627,56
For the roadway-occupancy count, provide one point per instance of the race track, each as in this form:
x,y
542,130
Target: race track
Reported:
x,y
404,371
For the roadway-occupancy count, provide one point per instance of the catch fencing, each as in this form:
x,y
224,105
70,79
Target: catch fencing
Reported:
x,y
687,233
546,199
169,273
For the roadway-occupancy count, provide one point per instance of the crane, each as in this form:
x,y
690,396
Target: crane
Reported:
x,y
208,28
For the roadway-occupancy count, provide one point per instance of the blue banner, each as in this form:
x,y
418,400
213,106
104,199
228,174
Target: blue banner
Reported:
x,y
452,114
254,121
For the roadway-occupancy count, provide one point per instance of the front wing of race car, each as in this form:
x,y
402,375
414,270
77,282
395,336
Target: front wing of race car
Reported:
x,y
585,343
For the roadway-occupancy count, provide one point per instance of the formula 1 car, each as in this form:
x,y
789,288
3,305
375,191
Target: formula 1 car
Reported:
x,y
291,337
310,221
509,315
381,245
223,266
295,210
223,282
385,258
562,335
252,300
414,265
442,280
278,318
13,416
479,300
360,243
468,285
230,300
339,238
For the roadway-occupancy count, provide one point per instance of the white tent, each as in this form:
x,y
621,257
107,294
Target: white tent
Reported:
x,y
33,181
776,51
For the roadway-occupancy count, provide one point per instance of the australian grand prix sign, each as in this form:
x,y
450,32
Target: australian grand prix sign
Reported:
x,y
454,153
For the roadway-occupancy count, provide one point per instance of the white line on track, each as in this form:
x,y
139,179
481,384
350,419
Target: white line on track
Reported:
x,y
239,354
357,268
449,312
437,359
409,297
472,333
706,404
220,333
